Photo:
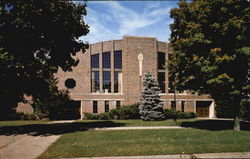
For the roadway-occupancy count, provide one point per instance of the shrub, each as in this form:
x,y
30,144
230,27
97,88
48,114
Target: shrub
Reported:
x,y
91,116
22,116
124,112
129,112
169,113
186,115
103,116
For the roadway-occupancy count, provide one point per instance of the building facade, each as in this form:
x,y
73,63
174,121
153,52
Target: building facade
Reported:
x,y
109,75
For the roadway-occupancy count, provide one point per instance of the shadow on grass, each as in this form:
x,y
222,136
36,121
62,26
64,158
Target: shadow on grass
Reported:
x,y
215,125
56,128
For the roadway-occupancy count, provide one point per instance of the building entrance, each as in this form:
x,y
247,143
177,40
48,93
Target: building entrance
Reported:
x,y
202,108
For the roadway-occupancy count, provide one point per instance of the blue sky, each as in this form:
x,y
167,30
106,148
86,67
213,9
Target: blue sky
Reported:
x,y
110,20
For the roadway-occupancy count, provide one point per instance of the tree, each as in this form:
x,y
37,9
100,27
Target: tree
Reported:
x,y
172,66
210,38
36,37
151,108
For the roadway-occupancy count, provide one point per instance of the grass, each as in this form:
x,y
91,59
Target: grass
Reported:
x,y
116,122
147,142
22,122
142,123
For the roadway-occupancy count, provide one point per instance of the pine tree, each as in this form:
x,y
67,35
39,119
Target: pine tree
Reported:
x,y
151,108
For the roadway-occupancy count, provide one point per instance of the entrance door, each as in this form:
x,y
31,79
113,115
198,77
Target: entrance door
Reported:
x,y
202,108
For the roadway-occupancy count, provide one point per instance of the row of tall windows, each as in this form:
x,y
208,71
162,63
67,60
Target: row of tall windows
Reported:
x,y
161,71
106,73
106,106
171,88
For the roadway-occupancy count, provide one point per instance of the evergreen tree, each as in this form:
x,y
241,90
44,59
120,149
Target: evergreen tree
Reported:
x,y
151,108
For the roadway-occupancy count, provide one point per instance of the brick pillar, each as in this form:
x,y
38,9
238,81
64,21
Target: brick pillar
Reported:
x,y
112,68
100,70
166,74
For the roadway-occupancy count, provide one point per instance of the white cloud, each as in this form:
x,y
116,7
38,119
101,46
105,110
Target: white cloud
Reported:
x,y
125,21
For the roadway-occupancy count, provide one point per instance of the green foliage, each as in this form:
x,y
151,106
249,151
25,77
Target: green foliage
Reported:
x,y
224,109
212,49
22,116
151,108
93,116
36,38
169,114
124,112
246,110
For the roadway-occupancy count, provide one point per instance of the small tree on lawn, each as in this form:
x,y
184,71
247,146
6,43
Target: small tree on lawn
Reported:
x,y
151,108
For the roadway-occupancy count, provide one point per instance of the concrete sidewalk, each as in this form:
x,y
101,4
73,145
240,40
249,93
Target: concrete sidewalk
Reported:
x,y
24,146
180,156
140,128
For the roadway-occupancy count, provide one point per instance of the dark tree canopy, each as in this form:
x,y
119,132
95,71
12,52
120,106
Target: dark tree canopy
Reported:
x,y
36,37
212,45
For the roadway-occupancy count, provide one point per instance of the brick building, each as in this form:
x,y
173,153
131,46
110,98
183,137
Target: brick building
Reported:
x,y
108,76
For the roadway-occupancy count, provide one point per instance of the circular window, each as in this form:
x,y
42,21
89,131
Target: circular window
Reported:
x,y
70,83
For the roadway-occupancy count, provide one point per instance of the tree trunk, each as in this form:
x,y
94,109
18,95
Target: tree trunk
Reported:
x,y
175,114
237,116
236,123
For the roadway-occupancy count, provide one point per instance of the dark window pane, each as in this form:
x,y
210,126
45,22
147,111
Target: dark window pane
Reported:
x,y
172,104
182,106
161,81
118,104
161,60
106,81
95,82
170,84
95,109
106,106
118,59
106,60
117,81
95,61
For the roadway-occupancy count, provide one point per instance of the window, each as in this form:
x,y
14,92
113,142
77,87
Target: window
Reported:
x,y
118,59
70,83
170,85
117,81
118,104
106,104
106,82
182,106
161,60
106,60
95,109
172,104
95,61
161,81
95,85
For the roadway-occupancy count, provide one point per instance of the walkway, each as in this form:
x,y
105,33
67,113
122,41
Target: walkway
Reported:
x,y
24,146
139,127
181,156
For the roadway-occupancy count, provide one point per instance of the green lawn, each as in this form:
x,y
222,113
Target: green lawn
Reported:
x,y
141,122
147,142
115,122
22,122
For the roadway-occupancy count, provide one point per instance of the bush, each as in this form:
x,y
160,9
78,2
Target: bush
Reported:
x,y
169,114
22,116
124,112
186,115
129,112
91,116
